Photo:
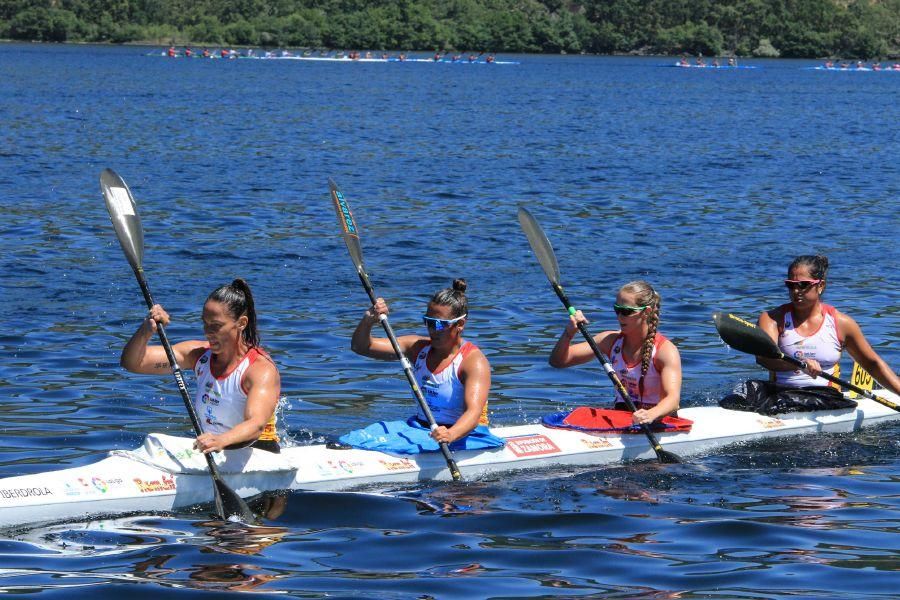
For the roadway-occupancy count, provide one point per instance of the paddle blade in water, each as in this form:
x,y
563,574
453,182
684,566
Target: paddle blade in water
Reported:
x,y
230,506
349,230
540,245
745,336
125,219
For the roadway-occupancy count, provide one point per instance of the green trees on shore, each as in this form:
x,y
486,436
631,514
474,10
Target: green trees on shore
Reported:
x,y
790,28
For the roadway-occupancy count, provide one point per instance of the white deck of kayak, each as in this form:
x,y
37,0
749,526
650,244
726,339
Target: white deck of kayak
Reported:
x,y
165,474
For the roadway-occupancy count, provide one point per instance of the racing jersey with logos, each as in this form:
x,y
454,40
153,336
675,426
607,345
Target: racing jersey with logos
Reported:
x,y
442,389
631,374
823,346
220,401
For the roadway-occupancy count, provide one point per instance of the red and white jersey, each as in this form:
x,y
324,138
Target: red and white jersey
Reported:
x,y
443,391
824,346
220,402
630,374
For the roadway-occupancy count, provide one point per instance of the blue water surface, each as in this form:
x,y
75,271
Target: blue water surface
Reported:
x,y
707,183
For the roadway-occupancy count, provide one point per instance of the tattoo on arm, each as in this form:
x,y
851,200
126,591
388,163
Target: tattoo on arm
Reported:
x,y
161,365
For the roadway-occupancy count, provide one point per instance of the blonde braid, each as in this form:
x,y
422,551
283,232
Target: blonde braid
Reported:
x,y
652,326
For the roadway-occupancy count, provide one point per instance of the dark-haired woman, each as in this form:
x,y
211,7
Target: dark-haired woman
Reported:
x,y
808,329
453,374
645,360
238,385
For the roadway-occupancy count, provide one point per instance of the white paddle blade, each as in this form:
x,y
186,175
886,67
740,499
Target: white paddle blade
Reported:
x,y
540,245
124,216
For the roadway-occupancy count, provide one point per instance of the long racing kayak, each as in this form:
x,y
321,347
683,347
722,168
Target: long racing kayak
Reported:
x,y
166,474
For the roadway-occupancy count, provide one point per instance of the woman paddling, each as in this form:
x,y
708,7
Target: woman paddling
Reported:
x,y
646,361
238,384
808,329
453,374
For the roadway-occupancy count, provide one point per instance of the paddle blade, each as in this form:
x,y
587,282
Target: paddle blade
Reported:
x,y
540,245
124,216
230,506
745,336
349,230
667,458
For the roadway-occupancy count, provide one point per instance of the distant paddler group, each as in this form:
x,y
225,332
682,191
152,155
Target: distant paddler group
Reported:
x,y
830,65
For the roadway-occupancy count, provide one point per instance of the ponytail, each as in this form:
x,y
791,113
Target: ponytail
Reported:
x,y
236,296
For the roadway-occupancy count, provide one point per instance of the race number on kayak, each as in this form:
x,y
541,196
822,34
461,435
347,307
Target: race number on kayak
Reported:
x,y
860,378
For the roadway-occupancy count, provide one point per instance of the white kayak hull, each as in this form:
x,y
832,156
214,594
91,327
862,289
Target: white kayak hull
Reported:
x,y
165,474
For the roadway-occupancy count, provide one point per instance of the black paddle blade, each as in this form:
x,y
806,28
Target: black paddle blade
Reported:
x,y
231,506
745,336
666,457
540,245
349,230
124,216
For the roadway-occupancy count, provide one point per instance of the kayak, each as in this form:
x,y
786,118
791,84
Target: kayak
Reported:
x,y
166,474
681,66
854,68
461,61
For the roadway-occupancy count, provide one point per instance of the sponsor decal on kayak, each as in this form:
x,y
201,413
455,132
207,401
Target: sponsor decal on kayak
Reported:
x,y
332,467
771,423
92,486
531,445
596,443
403,464
27,492
163,484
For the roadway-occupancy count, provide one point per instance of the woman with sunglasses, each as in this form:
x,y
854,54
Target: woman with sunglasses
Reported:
x,y
238,384
808,328
452,373
645,360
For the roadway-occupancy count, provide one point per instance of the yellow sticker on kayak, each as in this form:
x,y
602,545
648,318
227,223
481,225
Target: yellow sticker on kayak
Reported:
x,y
860,378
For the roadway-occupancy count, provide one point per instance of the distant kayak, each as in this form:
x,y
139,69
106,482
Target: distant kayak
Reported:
x,y
854,68
683,66
461,61
344,59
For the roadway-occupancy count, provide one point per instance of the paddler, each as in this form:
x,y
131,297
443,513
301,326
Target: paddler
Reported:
x,y
453,374
647,363
810,330
238,384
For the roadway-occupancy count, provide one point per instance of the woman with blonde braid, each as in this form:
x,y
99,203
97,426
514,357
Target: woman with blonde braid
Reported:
x,y
645,360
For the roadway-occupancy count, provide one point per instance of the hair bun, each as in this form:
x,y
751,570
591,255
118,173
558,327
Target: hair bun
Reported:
x,y
459,285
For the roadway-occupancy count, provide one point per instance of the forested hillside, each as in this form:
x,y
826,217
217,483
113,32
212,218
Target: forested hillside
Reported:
x,y
790,28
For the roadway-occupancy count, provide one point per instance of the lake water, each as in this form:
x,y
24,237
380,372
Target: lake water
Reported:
x,y
707,183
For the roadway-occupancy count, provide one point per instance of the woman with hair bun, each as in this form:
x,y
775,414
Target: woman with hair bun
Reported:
x,y
808,329
645,360
453,374
238,384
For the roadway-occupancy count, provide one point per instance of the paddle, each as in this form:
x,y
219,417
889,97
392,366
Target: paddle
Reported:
x,y
545,255
127,223
747,337
351,238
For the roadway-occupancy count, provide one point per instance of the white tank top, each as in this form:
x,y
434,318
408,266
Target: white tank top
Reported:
x,y
220,401
824,346
443,391
631,374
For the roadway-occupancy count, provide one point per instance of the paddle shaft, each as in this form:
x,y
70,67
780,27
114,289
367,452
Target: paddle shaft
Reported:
x,y
410,376
663,455
846,384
